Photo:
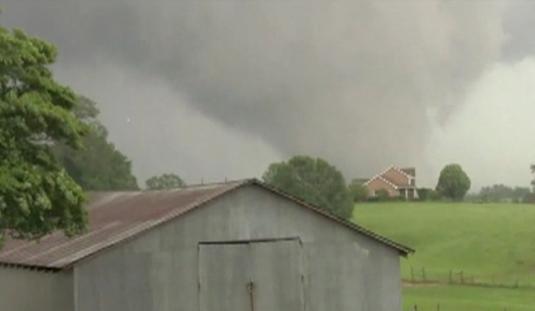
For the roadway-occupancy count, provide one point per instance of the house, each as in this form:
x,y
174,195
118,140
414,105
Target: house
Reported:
x,y
232,246
397,182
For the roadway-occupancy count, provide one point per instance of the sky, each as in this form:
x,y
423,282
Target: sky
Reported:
x,y
219,89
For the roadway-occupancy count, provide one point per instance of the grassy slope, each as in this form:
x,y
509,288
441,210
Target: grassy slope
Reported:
x,y
492,242
459,298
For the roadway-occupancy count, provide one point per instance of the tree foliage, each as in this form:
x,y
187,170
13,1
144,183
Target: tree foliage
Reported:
x,y
532,167
428,194
98,165
165,181
358,191
382,195
503,193
37,196
453,182
313,180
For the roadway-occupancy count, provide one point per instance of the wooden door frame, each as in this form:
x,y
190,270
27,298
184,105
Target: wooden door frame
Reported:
x,y
249,241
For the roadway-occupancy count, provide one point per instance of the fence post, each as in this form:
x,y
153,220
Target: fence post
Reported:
x,y
423,274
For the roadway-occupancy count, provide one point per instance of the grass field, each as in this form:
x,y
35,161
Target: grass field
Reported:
x,y
489,243
468,298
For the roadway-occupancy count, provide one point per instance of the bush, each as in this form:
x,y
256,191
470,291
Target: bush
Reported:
x,y
358,191
428,194
165,181
529,198
382,195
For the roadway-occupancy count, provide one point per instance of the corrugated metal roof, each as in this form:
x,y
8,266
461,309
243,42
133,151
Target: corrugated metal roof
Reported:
x,y
118,216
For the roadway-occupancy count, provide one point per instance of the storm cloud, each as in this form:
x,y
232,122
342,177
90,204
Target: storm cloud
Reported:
x,y
214,89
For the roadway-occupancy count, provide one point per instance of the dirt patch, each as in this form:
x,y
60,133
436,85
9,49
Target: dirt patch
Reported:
x,y
420,284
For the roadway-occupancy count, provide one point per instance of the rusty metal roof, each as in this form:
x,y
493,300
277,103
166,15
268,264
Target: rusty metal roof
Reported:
x,y
118,216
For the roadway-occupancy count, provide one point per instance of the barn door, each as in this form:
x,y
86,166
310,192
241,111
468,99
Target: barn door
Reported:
x,y
276,273
223,275
250,276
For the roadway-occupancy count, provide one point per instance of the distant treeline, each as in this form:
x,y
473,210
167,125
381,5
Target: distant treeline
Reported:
x,y
490,194
503,193
497,193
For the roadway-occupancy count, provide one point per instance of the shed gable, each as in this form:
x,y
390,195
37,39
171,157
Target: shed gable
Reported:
x,y
145,272
118,217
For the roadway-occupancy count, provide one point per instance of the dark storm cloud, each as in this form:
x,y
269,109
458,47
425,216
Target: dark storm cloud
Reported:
x,y
360,83
519,22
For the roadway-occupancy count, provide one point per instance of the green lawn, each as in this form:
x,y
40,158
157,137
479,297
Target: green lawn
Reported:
x,y
491,243
466,298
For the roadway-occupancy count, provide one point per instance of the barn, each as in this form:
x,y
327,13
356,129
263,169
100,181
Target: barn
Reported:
x,y
233,246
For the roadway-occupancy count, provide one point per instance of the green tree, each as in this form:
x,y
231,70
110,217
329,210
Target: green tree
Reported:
x,y
502,193
453,182
520,193
37,196
98,165
427,194
165,181
382,195
358,191
313,180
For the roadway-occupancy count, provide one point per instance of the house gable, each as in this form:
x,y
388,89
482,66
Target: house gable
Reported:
x,y
397,177
395,181
379,183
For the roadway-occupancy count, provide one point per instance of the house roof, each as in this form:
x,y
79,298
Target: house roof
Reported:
x,y
384,180
395,177
115,217
411,171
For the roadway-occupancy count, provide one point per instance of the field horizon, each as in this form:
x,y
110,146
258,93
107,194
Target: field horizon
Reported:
x,y
467,254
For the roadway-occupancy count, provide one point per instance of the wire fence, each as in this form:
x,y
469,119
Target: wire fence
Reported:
x,y
438,308
460,277
422,277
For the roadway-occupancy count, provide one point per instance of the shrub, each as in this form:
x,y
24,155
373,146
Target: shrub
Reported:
x,y
382,195
358,191
428,194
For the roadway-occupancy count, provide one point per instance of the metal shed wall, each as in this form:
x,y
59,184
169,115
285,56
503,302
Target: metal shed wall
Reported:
x,y
158,270
30,290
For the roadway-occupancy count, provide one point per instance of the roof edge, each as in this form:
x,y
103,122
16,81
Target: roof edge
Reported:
x,y
164,220
402,249
31,267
